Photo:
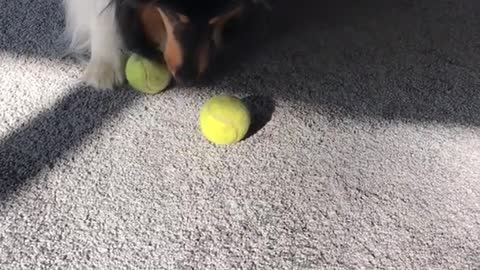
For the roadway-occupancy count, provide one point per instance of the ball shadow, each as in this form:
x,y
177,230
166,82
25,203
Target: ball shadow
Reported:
x,y
261,109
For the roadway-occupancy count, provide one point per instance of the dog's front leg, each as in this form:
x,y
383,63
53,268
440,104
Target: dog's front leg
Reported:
x,y
105,68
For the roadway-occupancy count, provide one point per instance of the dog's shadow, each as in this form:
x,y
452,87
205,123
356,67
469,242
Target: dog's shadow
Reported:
x,y
414,61
261,26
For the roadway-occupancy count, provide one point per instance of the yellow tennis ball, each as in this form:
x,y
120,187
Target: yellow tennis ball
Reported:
x,y
224,120
146,76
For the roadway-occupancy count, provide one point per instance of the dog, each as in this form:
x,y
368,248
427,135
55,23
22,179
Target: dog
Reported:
x,y
183,34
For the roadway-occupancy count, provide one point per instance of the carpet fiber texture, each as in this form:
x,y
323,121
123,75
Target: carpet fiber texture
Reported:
x,y
364,154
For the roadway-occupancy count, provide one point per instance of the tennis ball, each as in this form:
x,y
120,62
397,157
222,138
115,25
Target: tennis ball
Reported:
x,y
146,76
224,120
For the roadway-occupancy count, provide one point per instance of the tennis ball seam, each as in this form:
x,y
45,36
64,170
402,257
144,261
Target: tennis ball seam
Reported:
x,y
223,120
146,75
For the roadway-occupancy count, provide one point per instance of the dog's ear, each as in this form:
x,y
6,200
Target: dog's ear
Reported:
x,y
154,25
218,23
161,24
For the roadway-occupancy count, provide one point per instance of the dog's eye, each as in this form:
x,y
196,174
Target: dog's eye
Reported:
x,y
183,18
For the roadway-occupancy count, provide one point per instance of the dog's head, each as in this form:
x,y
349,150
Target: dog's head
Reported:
x,y
188,32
